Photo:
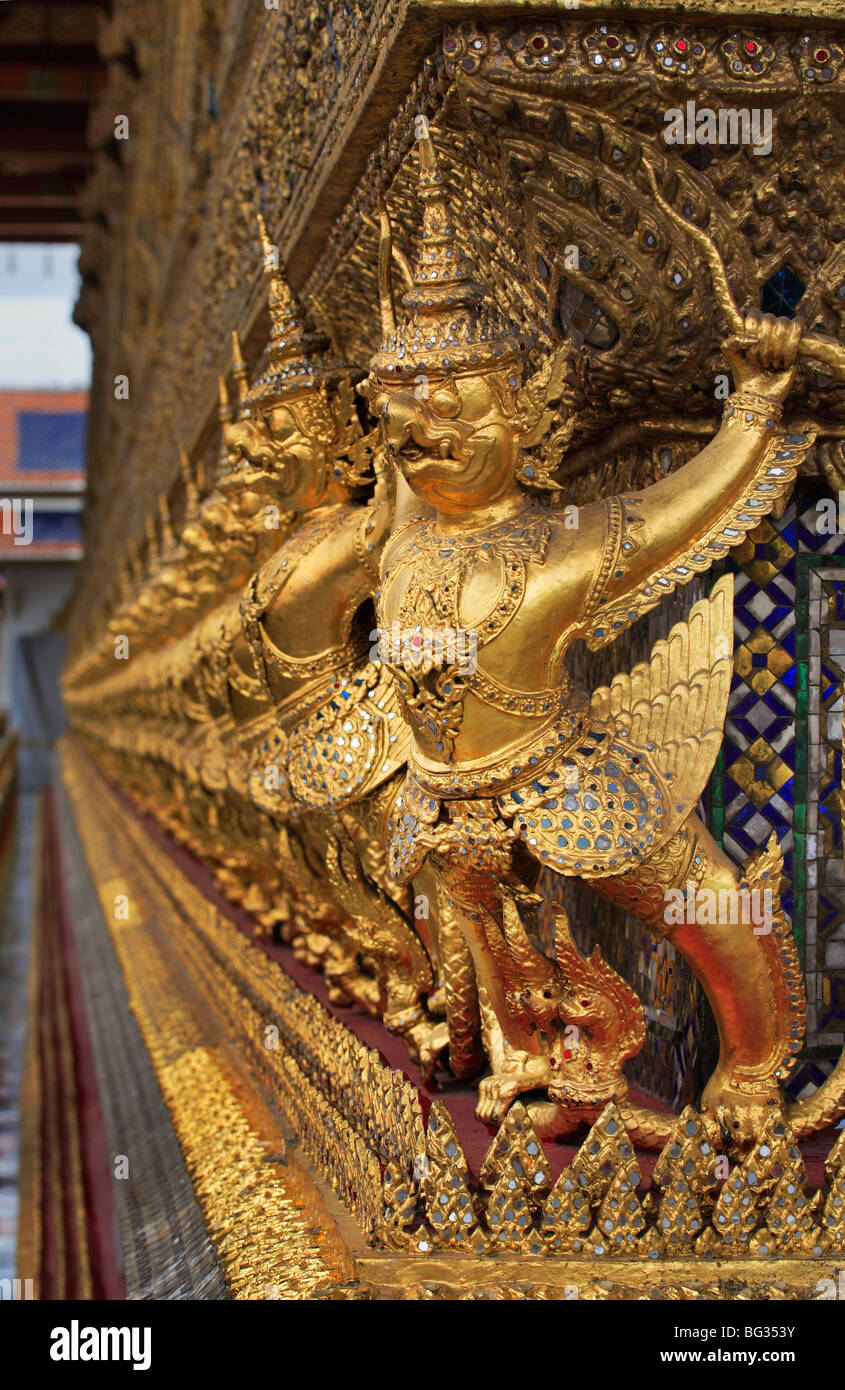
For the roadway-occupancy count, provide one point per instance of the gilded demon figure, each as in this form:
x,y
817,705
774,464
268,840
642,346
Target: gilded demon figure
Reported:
x,y
510,767
317,739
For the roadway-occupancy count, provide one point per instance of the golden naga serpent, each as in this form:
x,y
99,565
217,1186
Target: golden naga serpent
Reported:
x,y
826,1106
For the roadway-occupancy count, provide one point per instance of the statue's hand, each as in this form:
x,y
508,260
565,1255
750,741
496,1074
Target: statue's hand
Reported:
x,y
384,493
763,355
382,504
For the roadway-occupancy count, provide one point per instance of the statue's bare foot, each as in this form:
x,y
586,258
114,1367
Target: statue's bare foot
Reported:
x,y
436,1002
230,885
274,919
553,1121
310,948
425,1041
495,1093
255,899
740,1112
354,986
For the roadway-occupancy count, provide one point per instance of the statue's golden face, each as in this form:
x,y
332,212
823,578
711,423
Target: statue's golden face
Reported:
x,y
453,439
276,452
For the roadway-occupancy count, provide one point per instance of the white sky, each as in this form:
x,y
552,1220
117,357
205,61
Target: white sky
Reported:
x,y
40,347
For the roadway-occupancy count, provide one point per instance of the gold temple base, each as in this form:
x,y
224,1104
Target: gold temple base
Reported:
x,y
313,1169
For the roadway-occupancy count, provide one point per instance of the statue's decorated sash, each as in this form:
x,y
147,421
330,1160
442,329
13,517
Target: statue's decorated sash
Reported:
x,y
606,795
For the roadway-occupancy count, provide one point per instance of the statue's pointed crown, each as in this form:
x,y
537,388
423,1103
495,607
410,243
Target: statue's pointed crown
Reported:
x,y
450,324
191,485
153,546
168,539
298,354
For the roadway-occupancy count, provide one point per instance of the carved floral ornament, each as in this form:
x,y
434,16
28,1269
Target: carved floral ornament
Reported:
x,y
616,49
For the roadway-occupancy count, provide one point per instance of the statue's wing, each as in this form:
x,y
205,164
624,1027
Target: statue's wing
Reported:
x,y
675,703
638,766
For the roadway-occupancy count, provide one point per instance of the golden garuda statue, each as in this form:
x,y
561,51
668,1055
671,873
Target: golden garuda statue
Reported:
x,y
485,587
312,738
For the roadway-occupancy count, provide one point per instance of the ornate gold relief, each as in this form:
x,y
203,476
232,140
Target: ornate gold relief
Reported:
x,y
350,687
407,1182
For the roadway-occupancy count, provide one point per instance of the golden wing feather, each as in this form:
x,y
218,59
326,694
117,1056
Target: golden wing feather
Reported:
x,y
677,701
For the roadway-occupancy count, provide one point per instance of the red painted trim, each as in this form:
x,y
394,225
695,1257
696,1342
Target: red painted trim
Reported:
x,y
73,1099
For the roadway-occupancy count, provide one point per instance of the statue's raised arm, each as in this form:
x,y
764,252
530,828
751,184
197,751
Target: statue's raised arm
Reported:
x,y
658,538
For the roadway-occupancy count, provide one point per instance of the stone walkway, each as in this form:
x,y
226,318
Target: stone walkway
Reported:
x,y
15,932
